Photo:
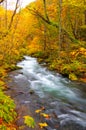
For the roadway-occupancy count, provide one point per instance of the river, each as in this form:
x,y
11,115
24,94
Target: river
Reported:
x,y
65,100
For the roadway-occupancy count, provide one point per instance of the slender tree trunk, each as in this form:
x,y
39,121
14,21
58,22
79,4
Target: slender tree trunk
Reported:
x,y
12,18
85,13
60,25
45,10
85,16
45,42
46,16
6,14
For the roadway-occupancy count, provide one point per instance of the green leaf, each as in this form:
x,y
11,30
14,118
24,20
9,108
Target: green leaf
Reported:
x,y
29,121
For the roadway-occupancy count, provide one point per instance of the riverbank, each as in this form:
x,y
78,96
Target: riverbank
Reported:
x,y
70,68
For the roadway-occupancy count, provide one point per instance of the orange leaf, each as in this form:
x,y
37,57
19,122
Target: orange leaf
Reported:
x,y
1,120
45,115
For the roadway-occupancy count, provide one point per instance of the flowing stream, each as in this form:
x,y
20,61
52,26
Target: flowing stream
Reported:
x,y
66,98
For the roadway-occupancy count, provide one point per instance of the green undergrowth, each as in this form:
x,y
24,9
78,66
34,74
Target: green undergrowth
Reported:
x,y
7,110
8,114
72,65
73,70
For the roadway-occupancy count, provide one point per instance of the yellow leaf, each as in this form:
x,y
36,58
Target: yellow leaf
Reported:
x,y
72,76
42,125
25,117
45,115
38,111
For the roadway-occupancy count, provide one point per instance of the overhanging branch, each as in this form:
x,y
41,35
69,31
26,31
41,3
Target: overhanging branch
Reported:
x,y
48,21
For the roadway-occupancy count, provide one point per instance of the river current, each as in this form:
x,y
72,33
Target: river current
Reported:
x,y
66,98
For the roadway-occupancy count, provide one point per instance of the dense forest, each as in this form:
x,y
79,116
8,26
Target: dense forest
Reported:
x,y
53,31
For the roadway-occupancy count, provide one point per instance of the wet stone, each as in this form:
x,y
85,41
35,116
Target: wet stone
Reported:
x,y
53,123
72,126
49,128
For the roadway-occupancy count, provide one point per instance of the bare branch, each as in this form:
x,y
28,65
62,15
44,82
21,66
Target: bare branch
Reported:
x,y
37,14
11,21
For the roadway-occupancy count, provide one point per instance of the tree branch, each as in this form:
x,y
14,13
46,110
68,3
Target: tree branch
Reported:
x,y
37,14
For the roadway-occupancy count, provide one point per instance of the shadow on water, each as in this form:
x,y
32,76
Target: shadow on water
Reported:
x,y
64,100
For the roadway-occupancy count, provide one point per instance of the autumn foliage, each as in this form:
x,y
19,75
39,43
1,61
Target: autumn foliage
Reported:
x,y
53,31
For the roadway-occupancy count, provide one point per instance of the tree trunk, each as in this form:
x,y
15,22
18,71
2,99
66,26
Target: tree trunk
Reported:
x,y
6,14
12,18
45,10
46,16
60,25
85,13
85,17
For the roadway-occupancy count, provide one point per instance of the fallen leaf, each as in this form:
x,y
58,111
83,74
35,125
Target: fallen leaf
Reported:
x,y
45,115
29,121
42,125
38,111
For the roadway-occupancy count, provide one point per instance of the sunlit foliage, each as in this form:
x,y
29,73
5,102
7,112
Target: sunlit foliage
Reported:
x,y
54,32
